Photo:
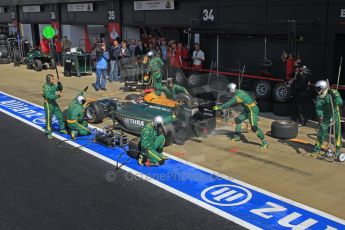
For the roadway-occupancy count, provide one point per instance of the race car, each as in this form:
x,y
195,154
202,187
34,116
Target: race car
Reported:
x,y
181,121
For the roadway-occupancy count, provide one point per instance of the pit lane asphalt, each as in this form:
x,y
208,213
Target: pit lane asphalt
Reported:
x,y
46,187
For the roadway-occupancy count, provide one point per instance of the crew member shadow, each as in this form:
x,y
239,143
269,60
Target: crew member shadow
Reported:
x,y
299,147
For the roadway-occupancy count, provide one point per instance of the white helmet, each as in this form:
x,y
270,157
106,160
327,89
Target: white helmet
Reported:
x,y
158,120
321,86
232,87
150,54
81,100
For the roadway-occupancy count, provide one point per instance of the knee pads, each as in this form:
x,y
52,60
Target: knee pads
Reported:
x,y
254,128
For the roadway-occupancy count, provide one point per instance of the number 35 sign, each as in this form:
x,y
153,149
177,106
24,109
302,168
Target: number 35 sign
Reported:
x,y
208,15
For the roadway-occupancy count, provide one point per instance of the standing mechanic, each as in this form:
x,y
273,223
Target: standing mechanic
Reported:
x,y
75,116
152,142
251,112
327,110
155,69
50,106
171,90
300,95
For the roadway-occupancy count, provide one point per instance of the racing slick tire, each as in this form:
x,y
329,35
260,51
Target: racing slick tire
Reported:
x,y
132,97
262,89
284,129
180,77
281,93
264,105
94,113
282,109
38,66
184,99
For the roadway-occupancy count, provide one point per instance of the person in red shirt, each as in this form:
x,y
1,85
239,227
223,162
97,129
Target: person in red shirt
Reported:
x,y
58,50
290,67
44,43
185,56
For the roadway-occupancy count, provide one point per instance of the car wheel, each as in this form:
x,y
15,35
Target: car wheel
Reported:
x,y
184,99
281,92
38,66
282,109
94,113
262,89
180,77
194,80
284,129
264,105
132,97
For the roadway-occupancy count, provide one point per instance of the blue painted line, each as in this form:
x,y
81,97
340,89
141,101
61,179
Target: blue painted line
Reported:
x,y
255,207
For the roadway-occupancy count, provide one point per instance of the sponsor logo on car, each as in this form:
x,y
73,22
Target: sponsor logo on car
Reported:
x,y
134,122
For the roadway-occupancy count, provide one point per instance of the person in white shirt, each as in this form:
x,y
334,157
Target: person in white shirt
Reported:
x,y
198,57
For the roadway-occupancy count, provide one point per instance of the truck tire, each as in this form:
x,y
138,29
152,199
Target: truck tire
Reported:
x,y
282,109
262,89
180,77
265,105
131,97
284,129
184,99
94,112
38,66
281,93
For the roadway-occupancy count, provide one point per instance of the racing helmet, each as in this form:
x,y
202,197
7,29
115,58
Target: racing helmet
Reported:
x,y
321,86
81,100
48,77
158,121
150,54
232,87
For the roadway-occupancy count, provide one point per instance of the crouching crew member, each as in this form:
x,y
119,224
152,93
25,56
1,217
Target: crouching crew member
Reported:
x,y
51,92
171,90
75,116
152,143
327,114
155,69
251,112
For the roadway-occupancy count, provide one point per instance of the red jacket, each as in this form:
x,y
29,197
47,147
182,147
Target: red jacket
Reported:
x,y
44,43
290,68
58,47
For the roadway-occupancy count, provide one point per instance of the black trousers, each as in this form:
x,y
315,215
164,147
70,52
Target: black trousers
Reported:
x,y
301,108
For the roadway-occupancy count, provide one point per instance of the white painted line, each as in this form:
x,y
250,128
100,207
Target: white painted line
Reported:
x,y
318,212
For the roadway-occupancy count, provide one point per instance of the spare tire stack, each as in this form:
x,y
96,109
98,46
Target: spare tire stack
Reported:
x,y
3,49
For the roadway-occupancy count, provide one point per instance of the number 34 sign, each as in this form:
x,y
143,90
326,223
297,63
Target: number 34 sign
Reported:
x,y
208,15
